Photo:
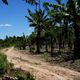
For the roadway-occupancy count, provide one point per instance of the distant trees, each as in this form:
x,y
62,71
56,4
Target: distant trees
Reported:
x,y
19,42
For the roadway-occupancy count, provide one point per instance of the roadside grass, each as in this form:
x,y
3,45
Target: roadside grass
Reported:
x,y
3,63
7,69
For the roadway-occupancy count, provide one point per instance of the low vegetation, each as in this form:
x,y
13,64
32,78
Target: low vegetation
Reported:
x,y
3,63
7,71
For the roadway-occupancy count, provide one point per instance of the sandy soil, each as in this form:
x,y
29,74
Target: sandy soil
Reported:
x,y
41,69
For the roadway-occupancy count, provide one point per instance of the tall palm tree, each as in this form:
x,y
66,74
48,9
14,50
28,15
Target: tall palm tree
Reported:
x,y
74,11
71,13
55,13
37,19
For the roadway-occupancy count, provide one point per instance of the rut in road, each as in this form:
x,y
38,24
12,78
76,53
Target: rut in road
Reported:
x,y
41,69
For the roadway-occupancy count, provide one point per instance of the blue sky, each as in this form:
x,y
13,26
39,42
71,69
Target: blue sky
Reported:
x,y
12,18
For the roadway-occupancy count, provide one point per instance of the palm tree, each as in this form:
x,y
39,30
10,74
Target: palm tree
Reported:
x,y
69,14
37,19
55,13
74,11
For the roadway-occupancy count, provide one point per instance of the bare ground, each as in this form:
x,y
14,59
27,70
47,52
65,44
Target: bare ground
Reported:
x,y
41,69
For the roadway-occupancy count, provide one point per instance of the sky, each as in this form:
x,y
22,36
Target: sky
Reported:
x,y
12,18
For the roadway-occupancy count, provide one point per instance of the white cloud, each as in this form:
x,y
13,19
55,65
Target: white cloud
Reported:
x,y
5,25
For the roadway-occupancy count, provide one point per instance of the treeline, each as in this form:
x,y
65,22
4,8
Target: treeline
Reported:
x,y
16,41
51,41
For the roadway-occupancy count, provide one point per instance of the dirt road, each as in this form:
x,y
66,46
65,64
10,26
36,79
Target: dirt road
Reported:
x,y
38,67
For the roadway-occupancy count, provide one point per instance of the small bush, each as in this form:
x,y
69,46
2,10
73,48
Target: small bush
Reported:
x,y
3,63
24,76
29,76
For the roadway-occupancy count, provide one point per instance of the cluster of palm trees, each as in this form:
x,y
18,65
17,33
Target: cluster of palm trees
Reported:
x,y
59,22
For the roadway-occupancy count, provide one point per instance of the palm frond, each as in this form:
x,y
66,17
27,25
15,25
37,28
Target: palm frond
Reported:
x,y
5,1
29,19
32,25
58,1
32,2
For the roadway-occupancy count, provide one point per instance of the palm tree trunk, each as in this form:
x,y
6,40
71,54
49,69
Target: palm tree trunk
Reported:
x,y
46,47
51,46
77,41
65,27
38,40
60,42
69,41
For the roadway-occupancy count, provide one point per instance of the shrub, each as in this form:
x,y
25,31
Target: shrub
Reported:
x,y
3,63
29,77
24,76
